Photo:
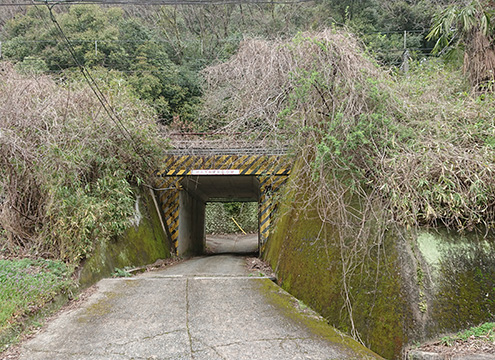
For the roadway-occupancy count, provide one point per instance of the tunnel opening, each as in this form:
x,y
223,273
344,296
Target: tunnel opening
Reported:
x,y
224,197
231,227
194,177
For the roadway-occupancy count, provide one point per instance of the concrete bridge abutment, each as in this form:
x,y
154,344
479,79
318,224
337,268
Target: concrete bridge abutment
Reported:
x,y
191,224
189,179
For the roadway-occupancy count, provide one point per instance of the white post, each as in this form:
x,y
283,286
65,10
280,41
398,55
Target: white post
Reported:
x,y
405,56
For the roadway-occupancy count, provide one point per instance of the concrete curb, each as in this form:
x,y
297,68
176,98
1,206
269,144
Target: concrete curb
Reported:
x,y
423,355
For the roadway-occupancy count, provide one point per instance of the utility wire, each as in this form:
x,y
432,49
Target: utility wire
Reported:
x,y
162,2
43,18
96,90
385,32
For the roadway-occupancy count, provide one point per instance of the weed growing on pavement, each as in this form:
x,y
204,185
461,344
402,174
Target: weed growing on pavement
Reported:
x,y
121,273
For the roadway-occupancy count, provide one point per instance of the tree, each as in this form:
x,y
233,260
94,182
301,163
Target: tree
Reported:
x,y
105,38
468,27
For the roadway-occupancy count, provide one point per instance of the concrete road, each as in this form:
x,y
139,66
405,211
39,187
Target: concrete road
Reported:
x,y
204,308
232,243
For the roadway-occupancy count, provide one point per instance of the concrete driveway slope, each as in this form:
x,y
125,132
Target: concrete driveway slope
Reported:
x,y
204,308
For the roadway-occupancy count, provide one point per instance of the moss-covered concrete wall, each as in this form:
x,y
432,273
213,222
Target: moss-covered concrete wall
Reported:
x,y
143,243
394,289
461,271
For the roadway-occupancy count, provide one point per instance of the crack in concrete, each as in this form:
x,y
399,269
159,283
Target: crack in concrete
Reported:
x,y
189,332
149,337
108,352
210,347
215,349
134,357
187,319
282,339
161,334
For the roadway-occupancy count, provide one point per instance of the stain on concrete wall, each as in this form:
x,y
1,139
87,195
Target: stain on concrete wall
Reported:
x,y
143,243
404,285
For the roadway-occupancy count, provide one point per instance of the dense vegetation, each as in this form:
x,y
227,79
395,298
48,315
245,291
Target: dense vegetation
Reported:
x,y
139,56
220,218
399,140
67,169
382,122
159,50
104,38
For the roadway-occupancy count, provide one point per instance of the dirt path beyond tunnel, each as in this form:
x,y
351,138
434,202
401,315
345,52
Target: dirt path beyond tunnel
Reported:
x,y
204,308
232,243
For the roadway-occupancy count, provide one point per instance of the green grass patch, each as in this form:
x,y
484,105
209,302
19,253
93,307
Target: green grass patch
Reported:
x,y
484,331
26,286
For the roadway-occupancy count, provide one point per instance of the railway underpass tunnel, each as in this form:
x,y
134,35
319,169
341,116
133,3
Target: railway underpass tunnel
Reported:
x,y
189,179
195,193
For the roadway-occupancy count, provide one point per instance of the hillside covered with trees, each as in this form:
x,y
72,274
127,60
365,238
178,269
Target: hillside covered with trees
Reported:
x,y
390,101
164,58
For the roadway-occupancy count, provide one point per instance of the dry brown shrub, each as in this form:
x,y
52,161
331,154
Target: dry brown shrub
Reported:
x,y
479,60
378,151
424,149
253,88
57,147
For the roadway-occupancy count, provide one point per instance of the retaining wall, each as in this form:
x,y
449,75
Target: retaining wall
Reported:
x,y
395,290
143,243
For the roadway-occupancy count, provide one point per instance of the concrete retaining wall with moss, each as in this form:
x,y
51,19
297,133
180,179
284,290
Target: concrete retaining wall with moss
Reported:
x,y
396,289
143,243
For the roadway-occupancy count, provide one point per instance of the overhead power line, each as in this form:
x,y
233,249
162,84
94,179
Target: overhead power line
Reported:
x,y
97,91
158,2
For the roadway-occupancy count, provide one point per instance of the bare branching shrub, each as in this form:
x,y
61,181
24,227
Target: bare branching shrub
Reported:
x,y
415,144
66,168
269,81
377,151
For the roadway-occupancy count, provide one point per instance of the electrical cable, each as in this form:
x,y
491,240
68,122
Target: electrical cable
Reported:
x,y
162,2
96,90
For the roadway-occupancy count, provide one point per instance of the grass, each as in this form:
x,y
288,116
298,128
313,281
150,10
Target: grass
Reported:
x,y
484,331
26,286
121,272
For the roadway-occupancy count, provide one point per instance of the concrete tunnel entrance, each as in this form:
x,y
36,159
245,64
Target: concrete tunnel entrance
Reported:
x,y
190,178
196,192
